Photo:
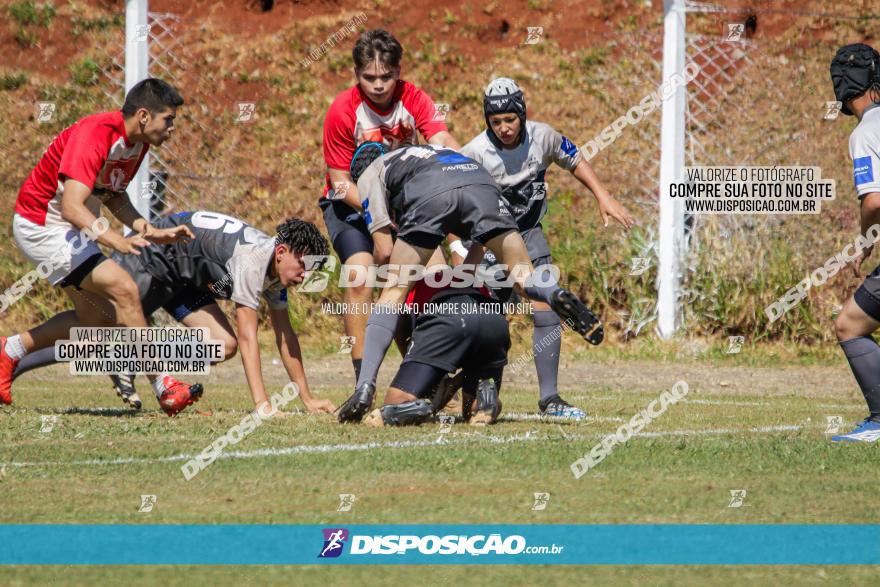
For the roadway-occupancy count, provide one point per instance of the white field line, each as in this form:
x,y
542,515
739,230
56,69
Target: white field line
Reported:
x,y
526,417
705,402
441,441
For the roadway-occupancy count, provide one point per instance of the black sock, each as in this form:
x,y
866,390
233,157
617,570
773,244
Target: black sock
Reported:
x,y
356,363
863,355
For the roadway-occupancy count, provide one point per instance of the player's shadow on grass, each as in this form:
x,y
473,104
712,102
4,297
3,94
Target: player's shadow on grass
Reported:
x,y
110,412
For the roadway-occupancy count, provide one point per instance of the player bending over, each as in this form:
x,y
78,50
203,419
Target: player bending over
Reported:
x,y
516,152
433,191
89,164
230,260
855,73
454,328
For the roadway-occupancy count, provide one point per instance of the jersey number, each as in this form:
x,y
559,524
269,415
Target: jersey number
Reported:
x,y
213,221
229,225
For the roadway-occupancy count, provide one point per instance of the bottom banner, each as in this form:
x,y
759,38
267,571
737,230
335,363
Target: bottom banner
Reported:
x,y
813,544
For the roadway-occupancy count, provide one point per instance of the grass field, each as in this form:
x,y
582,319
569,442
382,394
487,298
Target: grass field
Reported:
x,y
761,429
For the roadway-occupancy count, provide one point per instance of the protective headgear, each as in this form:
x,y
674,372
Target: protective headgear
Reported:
x,y
854,70
363,157
503,96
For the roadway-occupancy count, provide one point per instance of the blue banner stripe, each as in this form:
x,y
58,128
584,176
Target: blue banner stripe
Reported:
x,y
815,544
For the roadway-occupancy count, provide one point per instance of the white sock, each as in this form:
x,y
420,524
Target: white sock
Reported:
x,y
15,348
159,385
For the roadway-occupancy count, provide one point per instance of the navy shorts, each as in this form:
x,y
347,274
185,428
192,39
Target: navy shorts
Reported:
x,y
347,228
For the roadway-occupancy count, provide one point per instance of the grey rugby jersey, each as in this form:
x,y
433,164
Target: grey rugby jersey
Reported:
x,y
520,171
228,259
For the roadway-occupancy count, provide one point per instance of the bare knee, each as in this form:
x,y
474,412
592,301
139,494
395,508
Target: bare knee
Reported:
x,y
358,293
230,347
847,327
124,294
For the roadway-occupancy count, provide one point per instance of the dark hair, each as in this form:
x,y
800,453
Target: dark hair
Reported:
x,y
302,237
152,94
377,44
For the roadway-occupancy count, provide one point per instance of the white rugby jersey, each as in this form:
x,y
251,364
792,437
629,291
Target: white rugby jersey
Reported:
x,y
864,150
520,171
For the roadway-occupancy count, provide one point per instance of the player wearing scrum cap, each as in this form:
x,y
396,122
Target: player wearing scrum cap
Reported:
x,y
517,153
430,192
855,73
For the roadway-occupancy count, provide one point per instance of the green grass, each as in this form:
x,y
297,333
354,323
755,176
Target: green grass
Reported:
x,y
29,13
681,471
12,81
790,475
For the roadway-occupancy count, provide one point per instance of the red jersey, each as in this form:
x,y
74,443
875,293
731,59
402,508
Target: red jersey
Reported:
x,y
94,151
422,293
353,120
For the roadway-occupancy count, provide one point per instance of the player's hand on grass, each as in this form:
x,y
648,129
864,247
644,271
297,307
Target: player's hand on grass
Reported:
x,y
319,406
164,236
269,412
609,207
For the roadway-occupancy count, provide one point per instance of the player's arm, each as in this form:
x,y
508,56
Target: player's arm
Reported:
x,y
608,205
74,211
382,245
249,348
446,139
340,177
120,206
374,192
870,215
291,357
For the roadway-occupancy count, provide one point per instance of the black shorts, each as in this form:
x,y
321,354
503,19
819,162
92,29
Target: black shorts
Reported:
x,y
471,334
347,228
474,212
178,301
867,297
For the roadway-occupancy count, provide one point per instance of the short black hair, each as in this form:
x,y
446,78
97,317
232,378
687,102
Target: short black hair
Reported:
x,y
152,94
377,44
302,237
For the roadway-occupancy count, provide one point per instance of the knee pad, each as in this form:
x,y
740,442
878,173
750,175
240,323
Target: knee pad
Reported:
x,y
407,413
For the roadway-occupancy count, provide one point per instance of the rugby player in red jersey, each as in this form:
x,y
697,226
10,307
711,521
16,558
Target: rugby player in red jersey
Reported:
x,y
380,108
89,164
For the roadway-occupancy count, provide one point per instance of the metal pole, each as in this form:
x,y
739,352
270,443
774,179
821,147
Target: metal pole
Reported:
x,y
137,56
671,164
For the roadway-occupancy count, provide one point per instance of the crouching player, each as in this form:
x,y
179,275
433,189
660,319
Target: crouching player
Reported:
x,y
90,164
229,259
855,73
455,327
431,192
517,152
